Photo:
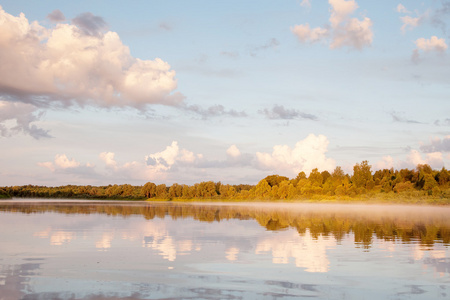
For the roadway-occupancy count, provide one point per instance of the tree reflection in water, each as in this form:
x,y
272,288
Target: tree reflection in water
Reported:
x,y
389,222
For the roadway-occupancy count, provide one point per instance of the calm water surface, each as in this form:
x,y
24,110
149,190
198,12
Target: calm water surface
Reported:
x,y
97,250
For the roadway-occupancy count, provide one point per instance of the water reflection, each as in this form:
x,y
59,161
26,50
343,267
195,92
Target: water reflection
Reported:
x,y
183,251
308,252
14,279
389,222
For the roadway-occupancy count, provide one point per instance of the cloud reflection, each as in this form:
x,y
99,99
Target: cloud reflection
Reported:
x,y
57,238
105,242
231,253
308,252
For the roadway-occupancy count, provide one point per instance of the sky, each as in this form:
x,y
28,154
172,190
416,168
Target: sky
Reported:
x,y
120,92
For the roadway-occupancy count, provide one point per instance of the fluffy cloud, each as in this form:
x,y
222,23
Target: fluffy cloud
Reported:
x,y
434,159
61,162
79,63
165,159
342,30
233,151
305,156
305,34
279,112
155,166
17,117
386,163
108,159
414,158
434,44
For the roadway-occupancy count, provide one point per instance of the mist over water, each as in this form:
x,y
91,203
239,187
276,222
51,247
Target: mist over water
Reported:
x,y
121,250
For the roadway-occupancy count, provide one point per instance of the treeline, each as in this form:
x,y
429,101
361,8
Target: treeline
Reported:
x,y
417,183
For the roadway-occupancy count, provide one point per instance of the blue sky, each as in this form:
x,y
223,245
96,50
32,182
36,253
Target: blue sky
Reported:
x,y
104,92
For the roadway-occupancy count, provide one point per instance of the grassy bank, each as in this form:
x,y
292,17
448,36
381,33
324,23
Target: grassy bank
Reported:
x,y
369,199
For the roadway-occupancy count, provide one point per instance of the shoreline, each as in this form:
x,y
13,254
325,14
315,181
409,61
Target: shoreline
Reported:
x,y
337,201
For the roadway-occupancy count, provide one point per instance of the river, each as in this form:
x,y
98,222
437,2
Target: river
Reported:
x,y
92,250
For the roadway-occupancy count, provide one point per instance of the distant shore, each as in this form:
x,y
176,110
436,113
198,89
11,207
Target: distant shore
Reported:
x,y
398,200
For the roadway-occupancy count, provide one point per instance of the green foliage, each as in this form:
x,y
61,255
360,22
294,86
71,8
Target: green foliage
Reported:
x,y
274,180
420,185
362,176
4,193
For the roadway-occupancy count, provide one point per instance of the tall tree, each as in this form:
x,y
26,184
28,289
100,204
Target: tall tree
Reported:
x,y
362,175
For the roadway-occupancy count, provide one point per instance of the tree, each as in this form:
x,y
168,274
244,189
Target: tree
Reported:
x,y
315,177
206,189
283,190
149,189
338,173
188,192
385,178
262,189
429,183
274,180
362,175
443,177
175,190
161,191
127,190
325,175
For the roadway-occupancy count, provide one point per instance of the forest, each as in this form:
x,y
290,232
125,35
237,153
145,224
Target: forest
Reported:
x,y
422,184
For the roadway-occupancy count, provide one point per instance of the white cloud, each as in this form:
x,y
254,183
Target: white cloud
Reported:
x,y
305,156
402,9
386,163
156,166
49,165
354,33
341,10
64,162
342,30
434,159
18,117
434,44
108,158
61,162
410,22
233,151
165,159
305,34
82,64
